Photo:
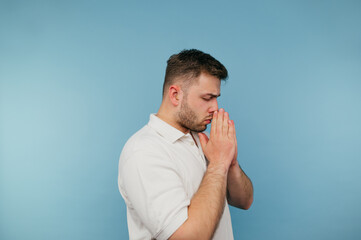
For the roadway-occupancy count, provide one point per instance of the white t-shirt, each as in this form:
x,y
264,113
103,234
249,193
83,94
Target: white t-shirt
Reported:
x,y
160,169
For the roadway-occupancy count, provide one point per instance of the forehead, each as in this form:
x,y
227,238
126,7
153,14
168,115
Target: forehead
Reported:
x,y
206,84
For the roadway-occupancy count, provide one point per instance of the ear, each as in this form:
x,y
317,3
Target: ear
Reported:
x,y
175,94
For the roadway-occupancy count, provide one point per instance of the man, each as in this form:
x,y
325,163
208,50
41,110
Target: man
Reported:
x,y
175,180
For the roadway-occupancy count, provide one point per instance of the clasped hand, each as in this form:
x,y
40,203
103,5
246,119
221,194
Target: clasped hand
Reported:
x,y
221,147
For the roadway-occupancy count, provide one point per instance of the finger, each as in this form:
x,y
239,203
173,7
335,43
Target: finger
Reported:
x,y
235,138
231,131
220,121
214,123
225,123
203,139
234,130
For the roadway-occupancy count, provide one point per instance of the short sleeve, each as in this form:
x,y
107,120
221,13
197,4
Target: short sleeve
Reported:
x,y
153,187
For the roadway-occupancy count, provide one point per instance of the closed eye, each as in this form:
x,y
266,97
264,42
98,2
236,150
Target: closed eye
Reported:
x,y
209,96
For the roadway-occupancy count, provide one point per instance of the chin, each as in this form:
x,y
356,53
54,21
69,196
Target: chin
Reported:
x,y
200,129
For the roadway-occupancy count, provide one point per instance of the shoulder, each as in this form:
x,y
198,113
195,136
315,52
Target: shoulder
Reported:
x,y
142,145
146,138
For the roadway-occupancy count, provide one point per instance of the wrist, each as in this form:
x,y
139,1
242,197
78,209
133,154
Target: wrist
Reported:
x,y
218,168
234,165
235,171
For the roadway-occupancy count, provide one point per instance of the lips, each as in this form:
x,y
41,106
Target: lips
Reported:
x,y
208,121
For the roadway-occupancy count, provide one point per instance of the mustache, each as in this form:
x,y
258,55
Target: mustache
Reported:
x,y
210,117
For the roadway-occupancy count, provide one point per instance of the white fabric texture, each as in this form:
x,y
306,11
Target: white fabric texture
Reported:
x,y
160,169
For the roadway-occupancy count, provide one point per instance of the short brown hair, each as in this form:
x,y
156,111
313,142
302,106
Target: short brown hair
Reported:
x,y
189,64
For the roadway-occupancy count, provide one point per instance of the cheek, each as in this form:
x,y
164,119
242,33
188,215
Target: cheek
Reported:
x,y
204,106
201,106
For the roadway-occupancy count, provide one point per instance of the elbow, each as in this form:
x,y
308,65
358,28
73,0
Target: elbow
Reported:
x,y
244,204
248,204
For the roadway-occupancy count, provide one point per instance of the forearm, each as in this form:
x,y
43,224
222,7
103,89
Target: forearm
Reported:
x,y
206,207
239,188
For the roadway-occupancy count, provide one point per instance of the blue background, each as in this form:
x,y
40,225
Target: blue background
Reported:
x,y
78,78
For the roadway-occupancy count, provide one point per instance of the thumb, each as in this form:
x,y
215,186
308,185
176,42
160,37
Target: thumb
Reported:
x,y
203,140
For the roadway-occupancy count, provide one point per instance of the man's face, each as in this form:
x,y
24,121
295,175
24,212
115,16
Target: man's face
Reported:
x,y
199,103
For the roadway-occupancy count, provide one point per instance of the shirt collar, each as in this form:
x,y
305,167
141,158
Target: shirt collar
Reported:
x,y
164,129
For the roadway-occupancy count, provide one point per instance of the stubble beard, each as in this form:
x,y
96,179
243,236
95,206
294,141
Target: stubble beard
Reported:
x,y
187,118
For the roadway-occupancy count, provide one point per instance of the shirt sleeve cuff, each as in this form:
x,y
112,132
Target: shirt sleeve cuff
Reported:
x,y
173,225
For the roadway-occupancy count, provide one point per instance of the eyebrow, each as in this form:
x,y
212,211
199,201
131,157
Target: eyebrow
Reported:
x,y
212,95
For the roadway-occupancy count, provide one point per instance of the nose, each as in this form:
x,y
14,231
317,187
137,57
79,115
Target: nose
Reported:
x,y
214,106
